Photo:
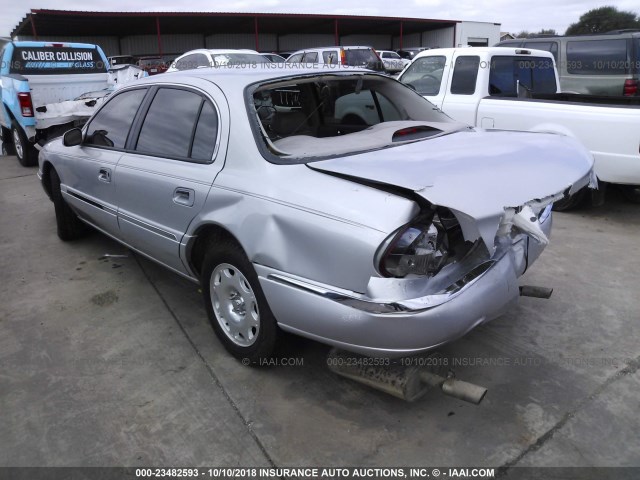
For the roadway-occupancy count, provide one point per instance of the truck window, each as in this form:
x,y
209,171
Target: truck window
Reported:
x,y
56,61
465,74
425,75
535,73
597,57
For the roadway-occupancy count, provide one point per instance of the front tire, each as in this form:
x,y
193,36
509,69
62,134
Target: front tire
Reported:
x,y
631,193
25,151
236,305
70,227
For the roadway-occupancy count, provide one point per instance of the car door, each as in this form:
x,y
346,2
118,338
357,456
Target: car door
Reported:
x,y
165,177
87,170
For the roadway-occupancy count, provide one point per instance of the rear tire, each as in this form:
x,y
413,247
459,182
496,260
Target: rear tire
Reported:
x,y
236,305
70,227
25,151
571,202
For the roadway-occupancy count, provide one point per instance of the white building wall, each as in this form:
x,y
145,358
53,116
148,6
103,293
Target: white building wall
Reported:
x,y
474,31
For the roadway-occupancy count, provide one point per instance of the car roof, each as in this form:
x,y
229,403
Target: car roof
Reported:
x,y
482,51
220,51
239,78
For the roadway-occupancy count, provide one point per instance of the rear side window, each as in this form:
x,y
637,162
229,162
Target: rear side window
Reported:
x,y
465,74
111,125
361,56
597,57
172,123
551,47
535,73
192,61
311,57
330,57
56,61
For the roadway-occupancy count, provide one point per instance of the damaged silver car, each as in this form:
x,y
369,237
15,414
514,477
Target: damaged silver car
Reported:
x,y
339,205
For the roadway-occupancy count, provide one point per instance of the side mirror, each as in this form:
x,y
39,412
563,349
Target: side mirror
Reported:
x,y
72,138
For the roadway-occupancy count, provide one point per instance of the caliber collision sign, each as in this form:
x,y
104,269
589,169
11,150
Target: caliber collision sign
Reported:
x,y
56,60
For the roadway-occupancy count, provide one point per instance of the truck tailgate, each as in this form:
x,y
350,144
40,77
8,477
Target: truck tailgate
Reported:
x,y
47,89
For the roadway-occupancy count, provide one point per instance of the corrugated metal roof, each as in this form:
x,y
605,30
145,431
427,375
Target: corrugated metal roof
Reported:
x,y
63,22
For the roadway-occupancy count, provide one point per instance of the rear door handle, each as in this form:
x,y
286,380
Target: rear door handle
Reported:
x,y
184,196
104,174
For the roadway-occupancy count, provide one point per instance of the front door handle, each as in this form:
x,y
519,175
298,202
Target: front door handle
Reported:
x,y
184,196
104,174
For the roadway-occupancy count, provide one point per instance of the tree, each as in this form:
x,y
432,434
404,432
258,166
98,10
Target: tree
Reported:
x,y
603,19
526,34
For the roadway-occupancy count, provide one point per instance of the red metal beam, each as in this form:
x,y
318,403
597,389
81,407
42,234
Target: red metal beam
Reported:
x,y
33,27
159,36
336,35
255,28
401,27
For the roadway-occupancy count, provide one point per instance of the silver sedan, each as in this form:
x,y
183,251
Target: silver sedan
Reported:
x,y
335,203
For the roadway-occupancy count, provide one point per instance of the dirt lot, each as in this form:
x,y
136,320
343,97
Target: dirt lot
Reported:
x,y
112,362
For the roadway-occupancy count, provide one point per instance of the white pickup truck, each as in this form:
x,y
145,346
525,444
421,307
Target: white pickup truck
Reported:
x,y
517,89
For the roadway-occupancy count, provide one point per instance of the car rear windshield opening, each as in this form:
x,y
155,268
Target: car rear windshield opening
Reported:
x,y
56,61
329,115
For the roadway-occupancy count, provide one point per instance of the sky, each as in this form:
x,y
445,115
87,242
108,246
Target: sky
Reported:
x,y
514,15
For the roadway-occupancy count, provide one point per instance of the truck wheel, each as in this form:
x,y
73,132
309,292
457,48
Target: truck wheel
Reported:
x,y
7,142
25,151
570,202
631,193
70,227
236,305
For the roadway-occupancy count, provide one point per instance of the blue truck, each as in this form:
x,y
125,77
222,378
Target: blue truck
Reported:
x,y
39,83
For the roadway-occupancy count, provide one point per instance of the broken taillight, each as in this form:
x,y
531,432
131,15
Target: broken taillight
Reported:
x,y
630,87
343,57
26,106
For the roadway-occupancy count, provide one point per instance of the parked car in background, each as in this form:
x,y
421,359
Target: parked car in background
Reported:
x,y
36,81
218,58
153,65
393,63
387,239
517,89
352,56
410,53
604,64
118,60
274,57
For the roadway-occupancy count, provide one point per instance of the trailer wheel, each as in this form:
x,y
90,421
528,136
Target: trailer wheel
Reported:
x,y
25,151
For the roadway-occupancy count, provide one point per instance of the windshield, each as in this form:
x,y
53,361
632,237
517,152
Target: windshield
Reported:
x,y
425,74
56,61
149,62
321,116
